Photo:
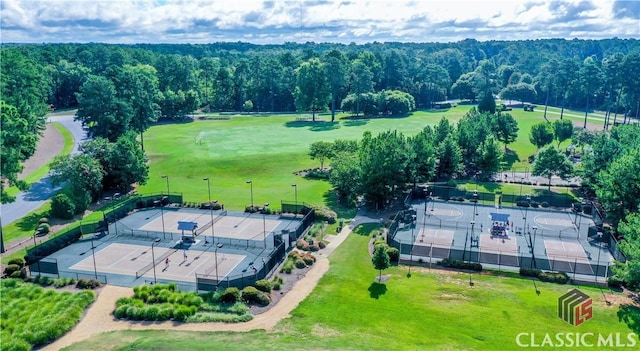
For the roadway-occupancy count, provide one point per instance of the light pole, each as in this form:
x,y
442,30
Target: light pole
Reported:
x,y
264,224
295,188
35,249
526,212
215,253
599,250
213,235
162,206
168,192
533,246
411,251
153,259
464,251
473,223
250,182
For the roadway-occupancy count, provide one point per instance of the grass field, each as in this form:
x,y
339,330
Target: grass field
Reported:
x,y
268,150
431,310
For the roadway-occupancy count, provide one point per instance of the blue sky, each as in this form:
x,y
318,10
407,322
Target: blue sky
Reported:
x,y
274,22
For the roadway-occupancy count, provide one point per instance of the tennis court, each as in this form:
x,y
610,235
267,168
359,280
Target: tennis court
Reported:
x,y
138,261
495,250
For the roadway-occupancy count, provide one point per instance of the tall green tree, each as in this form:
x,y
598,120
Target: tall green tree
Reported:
x,y
488,157
139,86
336,66
321,150
619,185
541,134
361,81
380,259
17,143
312,88
101,111
590,76
449,158
629,270
562,130
505,128
384,160
566,80
549,162
345,176
82,176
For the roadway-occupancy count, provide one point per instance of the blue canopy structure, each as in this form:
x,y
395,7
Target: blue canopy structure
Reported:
x,y
499,217
187,225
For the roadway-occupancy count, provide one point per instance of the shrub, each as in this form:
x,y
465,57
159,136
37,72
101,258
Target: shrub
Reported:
x,y
458,264
554,277
529,272
302,244
287,267
252,295
230,295
121,312
308,260
87,283
322,245
10,269
263,285
17,261
300,264
615,281
151,313
43,220
183,312
325,214
544,204
62,206
44,228
394,254
314,248
534,204
19,274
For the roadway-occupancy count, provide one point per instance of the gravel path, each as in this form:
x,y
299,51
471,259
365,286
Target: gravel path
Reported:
x,y
99,318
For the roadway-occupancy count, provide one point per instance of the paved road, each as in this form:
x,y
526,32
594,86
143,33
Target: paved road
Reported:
x,y
42,190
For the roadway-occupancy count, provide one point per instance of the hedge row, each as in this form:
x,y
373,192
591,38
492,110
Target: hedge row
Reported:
x,y
551,277
458,264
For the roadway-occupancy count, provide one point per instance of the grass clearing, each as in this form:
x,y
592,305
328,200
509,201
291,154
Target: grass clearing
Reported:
x,y
432,310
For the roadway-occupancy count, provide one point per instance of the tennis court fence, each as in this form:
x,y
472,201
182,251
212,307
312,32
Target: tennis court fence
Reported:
x,y
211,223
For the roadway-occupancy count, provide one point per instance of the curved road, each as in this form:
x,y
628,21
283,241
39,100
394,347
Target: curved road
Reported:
x,y
42,190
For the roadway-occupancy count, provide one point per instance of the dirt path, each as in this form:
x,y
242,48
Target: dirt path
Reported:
x,y
99,318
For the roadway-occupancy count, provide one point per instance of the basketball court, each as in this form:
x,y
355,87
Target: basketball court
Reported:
x,y
445,212
553,223
137,260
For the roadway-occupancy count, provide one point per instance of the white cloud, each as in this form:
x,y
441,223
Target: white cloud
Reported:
x,y
277,21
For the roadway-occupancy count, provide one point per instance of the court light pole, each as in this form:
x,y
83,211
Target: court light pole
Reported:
x,y
411,251
93,254
250,182
264,224
153,259
526,212
295,188
533,247
164,234
215,253
213,235
35,248
599,236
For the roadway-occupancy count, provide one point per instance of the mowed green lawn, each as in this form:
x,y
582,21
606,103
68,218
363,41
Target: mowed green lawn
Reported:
x,y
268,150
431,310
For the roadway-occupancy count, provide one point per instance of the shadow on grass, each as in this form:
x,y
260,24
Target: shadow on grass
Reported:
x,y
630,315
317,126
30,222
365,229
343,211
376,290
510,157
356,122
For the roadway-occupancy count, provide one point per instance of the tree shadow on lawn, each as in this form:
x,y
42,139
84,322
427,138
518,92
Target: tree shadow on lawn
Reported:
x,y
317,126
376,290
356,122
510,157
343,211
631,316
30,221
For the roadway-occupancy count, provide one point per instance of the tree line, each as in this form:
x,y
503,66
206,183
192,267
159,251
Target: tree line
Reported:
x,y
119,89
